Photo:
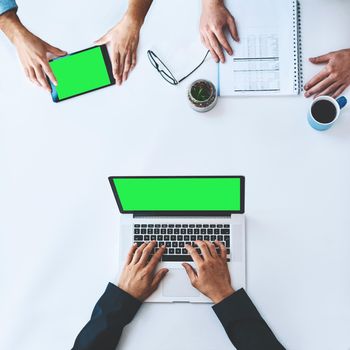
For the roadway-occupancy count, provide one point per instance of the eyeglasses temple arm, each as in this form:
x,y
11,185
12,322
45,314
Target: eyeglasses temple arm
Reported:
x,y
205,57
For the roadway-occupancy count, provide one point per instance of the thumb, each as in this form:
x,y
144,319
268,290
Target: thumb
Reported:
x,y
320,59
190,272
158,277
101,41
56,51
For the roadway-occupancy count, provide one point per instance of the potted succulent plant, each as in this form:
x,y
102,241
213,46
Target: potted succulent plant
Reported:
x,y
202,95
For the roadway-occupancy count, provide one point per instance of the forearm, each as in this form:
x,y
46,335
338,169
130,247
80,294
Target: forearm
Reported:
x,y
212,3
11,25
112,313
137,10
244,325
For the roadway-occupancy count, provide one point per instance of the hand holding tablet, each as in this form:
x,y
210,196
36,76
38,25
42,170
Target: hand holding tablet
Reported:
x,y
81,72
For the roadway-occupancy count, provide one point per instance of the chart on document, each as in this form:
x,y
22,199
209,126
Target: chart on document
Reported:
x,y
266,60
255,65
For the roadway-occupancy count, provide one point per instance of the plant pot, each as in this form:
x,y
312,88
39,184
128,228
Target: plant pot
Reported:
x,y
202,95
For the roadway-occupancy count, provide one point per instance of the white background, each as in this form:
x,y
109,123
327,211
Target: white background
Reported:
x,y
59,220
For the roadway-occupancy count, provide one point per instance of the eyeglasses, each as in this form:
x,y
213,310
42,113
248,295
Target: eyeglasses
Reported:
x,y
165,72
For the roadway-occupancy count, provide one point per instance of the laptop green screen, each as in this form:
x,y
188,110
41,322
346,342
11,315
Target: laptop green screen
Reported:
x,y
80,72
178,194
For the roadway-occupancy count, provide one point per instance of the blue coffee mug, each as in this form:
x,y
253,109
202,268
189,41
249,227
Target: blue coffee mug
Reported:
x,y
338,104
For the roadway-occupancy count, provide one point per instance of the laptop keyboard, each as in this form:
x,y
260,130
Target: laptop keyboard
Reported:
x,y
175,236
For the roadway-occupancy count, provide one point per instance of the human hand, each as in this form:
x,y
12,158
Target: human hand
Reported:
x,y
214,19
334,78
212,276
138,277
32,51
33,54
123,40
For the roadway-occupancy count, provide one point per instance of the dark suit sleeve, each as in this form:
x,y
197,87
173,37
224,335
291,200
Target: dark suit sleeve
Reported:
x,y
111,314
244,325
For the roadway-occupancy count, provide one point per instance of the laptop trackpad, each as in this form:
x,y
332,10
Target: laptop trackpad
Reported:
x,y
177,284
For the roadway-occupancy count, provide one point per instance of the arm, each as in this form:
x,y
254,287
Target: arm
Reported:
x,y
123,39
111,314
32,51
214,20
243,324
334,78
118,305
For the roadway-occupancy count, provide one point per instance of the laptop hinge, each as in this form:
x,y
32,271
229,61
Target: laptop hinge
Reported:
x,y
213,216
180,302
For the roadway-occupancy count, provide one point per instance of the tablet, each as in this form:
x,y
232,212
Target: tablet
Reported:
x,y
81,72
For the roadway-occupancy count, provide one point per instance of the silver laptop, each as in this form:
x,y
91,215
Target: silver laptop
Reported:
x,y
178,210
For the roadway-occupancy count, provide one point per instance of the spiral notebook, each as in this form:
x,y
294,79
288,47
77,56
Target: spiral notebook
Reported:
x,y
267,60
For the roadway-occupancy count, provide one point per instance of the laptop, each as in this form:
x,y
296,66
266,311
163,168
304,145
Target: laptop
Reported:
x,y
175,210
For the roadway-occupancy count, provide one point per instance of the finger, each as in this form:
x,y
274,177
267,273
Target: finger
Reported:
x,y
26,71
212,52
158,278
138,253
339,91
204,249
195,256
192,275
223,251
127,66
216,47
56,51
134,60
48,71
130,254
320,59
146,253
204,41
233,28
212,249
103,40
329,90
40,76
214,55
320,86
116,67
32,76
156,258
316,79
223,41
121,67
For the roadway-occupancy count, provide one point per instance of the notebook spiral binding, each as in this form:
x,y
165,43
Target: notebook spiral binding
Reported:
x,y
298,54
300,50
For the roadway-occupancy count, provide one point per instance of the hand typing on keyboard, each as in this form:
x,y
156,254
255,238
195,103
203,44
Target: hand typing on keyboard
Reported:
x,y
211,276
115,309
175,236
138,277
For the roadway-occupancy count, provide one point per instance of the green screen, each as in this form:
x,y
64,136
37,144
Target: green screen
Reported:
x,y
80,72
179,194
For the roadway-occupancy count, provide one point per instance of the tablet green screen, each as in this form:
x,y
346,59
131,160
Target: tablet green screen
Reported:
x,y
179,194
80,72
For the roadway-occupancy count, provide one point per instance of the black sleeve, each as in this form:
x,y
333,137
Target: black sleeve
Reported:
x,y
111,314
243,324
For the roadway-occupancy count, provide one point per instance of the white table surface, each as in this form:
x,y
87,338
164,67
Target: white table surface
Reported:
x,y
59,220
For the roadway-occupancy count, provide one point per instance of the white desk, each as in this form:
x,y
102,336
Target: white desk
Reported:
x,y
59,219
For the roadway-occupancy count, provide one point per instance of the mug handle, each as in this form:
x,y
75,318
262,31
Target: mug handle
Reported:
x,y
342,101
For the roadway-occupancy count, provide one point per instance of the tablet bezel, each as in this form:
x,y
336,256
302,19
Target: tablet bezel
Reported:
x,y
108,65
